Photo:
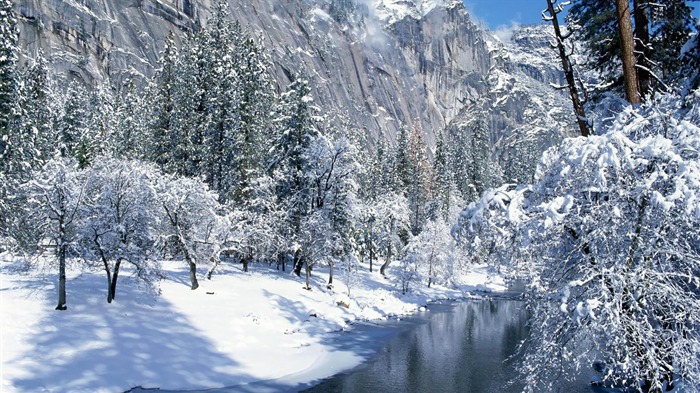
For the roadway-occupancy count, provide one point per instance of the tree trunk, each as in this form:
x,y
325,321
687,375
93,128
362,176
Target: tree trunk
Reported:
x,y
215,260
330,277
109,284
62,278
115,276
192,264
382,269
246,259
308,275
371,255
627,49
193,275
642,46
583,125
430,271
298,262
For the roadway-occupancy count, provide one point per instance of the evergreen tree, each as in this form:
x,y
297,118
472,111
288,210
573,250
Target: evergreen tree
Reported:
x,y
673,23
401,170
660,29
459,152
290,161
218,75
165,143
73,125
12,145
443,180
255,101
419,176
39,103
9,83
129,135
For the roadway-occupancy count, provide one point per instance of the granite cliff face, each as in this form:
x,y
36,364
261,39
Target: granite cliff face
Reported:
x,y
379,62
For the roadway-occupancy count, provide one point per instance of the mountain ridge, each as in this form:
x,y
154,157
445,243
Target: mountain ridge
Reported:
x,y
380,63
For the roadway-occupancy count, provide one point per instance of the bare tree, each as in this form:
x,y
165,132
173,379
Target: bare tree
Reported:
x,y
550,14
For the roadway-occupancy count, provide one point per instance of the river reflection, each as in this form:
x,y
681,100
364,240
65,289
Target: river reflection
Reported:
x,y
460,347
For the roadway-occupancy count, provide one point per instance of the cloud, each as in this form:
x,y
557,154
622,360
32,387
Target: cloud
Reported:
x,y
505,32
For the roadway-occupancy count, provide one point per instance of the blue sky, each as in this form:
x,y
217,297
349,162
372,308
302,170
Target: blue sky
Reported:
x,y
497,13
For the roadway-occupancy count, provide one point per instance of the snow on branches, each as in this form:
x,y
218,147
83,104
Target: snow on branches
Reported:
x,y
609,234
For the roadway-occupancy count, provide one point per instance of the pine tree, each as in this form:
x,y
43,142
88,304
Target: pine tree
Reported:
x,y
218,74
11,139
129,136
402,163
165,143
653,32
673,23
419,175
255,101
443,180
9,83
73,125
295,131
39,102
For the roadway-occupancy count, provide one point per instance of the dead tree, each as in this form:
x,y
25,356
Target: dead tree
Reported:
x,y
550,15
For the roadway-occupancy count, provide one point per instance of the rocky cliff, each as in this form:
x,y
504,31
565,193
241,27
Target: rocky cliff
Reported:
x,y
378,62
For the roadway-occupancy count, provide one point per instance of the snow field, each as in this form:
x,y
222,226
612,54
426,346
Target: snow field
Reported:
x,y
236,329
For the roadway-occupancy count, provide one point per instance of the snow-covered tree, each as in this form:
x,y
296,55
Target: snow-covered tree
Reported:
x,y
392,227
290,160
192,225
419,177
164,111
9,83
40,109
73,124
13,143
129,134
54,199
254,114
253,223
120,221
609,230
329,229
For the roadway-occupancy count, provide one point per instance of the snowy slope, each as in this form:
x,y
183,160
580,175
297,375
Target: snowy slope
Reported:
x,y
236,329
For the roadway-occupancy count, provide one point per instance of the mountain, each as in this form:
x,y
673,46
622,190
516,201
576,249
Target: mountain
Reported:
x,y
376,63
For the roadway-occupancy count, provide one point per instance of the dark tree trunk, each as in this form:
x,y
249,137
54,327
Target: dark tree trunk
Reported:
x,y
298,262
281,260
330,277
246,259
371,255
193,275
192,264
642,46
583,125
115,276
627,51
62,278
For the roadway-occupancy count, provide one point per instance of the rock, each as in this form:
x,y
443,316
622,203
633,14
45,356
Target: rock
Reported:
x,y
379,66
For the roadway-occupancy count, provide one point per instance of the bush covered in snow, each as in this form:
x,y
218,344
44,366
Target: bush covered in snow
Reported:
x,y
609,234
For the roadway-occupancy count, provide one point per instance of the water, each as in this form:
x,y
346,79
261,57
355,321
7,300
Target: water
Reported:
x,y
465,347
455,347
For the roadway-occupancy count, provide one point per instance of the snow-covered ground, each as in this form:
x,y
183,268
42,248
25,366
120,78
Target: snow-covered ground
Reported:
x,y
236,329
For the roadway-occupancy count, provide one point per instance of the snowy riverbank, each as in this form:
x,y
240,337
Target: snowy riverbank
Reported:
x,y
236,329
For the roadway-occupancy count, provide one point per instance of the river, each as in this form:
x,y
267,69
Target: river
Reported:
x,y
462,346
455,347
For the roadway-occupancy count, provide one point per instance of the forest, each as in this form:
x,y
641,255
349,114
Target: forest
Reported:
x,y
210,162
